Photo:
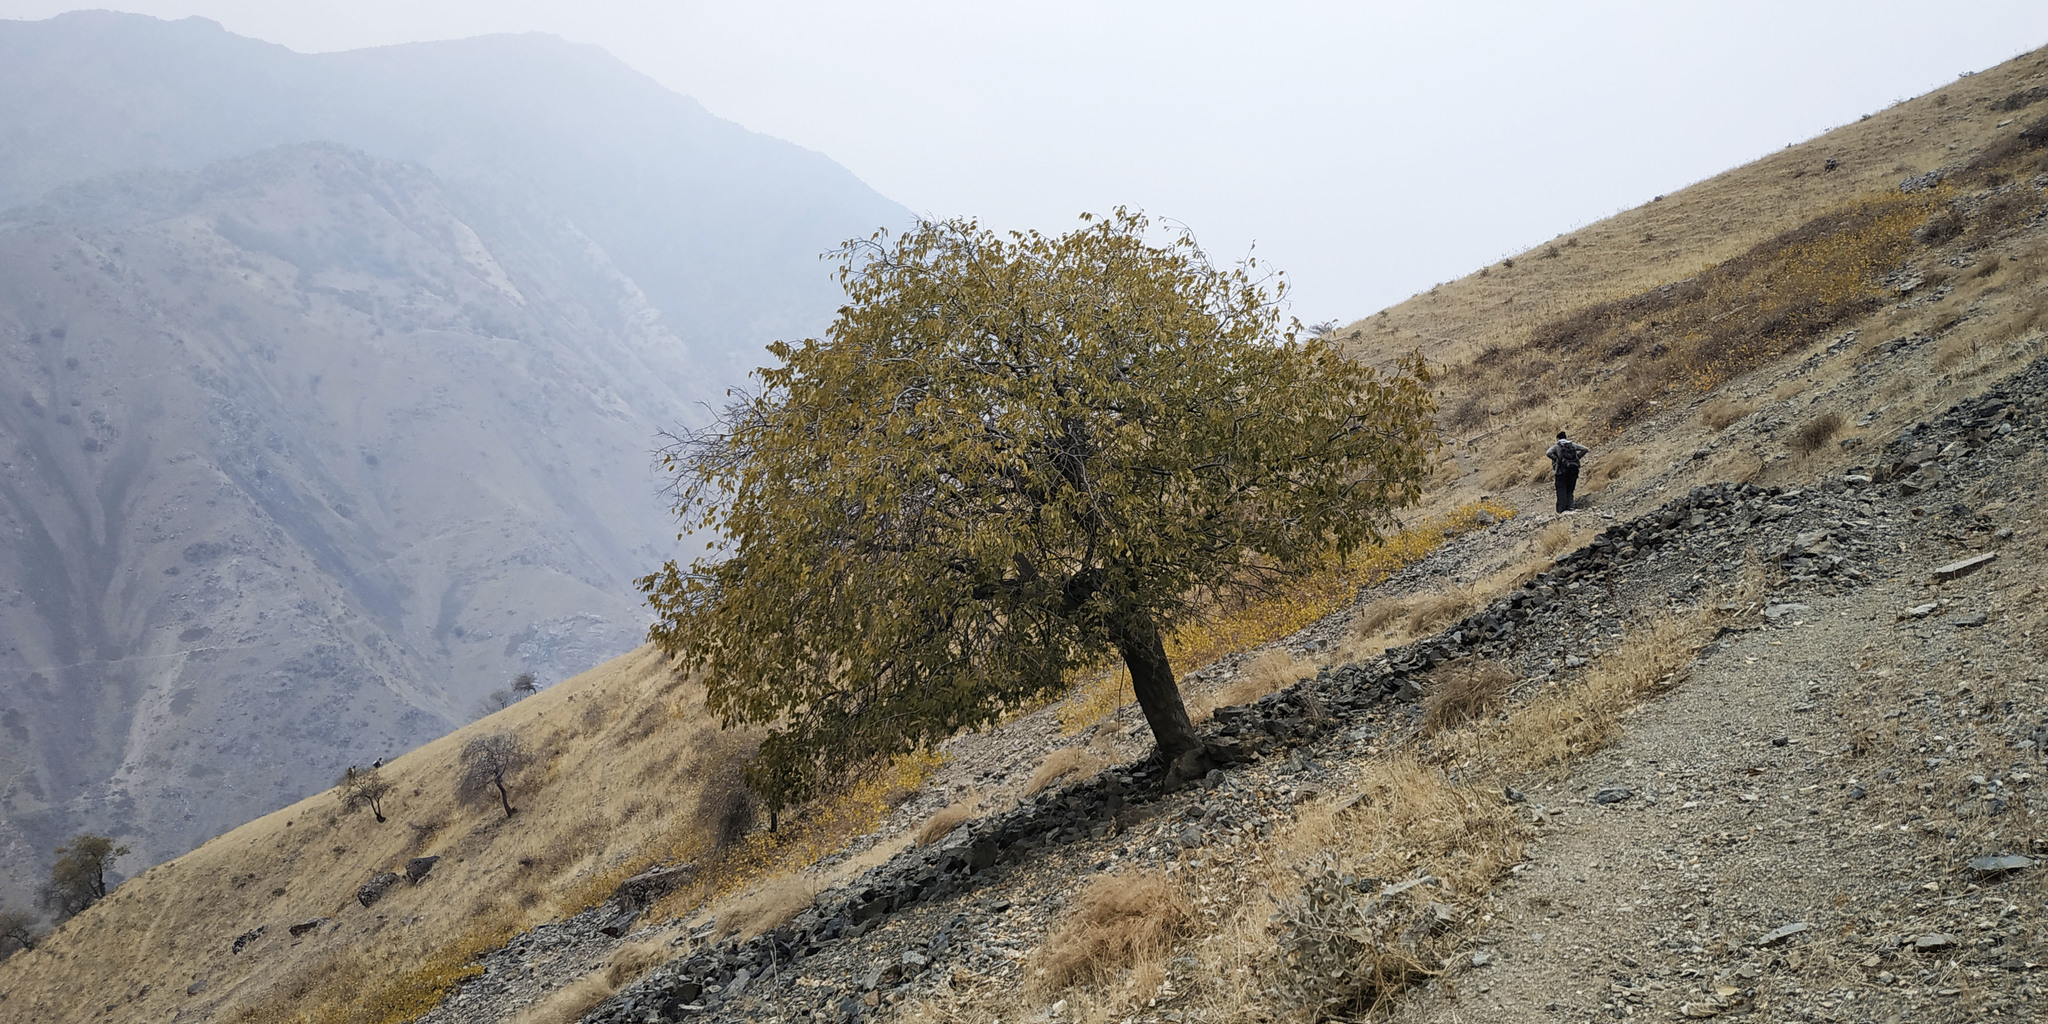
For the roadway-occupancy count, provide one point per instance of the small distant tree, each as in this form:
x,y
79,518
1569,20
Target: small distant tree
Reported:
x,y
524,685
359,788
79,877
18,931
494,702
491,763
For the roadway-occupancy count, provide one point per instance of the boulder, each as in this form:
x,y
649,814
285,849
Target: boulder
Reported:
x,y
417,868
373,890
654,883
306,926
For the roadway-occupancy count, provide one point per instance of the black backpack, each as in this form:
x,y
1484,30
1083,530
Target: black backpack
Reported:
x,y
1568,456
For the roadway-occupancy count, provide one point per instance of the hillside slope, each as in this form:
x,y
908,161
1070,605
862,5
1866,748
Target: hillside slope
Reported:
x,y
1540,770
301,458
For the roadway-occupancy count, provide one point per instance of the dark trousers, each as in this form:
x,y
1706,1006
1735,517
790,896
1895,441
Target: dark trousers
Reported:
x,y
1567,482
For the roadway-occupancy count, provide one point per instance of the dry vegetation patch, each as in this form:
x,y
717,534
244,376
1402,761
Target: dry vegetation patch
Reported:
x,y
1121,929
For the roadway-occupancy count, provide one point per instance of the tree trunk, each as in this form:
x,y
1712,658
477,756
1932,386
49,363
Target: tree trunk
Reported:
x,y
503,798
1137,639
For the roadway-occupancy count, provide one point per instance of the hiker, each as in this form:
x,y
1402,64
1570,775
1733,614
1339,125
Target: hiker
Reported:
x,y
1564,459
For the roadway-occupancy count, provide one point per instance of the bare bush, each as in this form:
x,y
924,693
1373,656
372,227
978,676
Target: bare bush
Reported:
x,y
1434,611
1466,691
1118,923
491,763
726,806
364,788
1817,432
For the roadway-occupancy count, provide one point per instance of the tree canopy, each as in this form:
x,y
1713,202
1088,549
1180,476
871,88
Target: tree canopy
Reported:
x,y
1010,457
78,878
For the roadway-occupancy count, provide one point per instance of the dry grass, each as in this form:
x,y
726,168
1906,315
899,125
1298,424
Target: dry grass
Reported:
x,y
1119,925
1465,691
569,1003
1431,612
1269,671
943,821
1719,413
1374,618
769,906
1503,476
1553,539
1612,465
1817,432
1076,762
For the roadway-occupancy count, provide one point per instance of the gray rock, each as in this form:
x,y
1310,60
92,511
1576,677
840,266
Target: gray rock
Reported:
x,y
1782,932
654,883
1613,794
373,890
306,926
1777,612
417,868
196,987
1973,619
1935,940
1921,611
1988,867
1959,569
1190,836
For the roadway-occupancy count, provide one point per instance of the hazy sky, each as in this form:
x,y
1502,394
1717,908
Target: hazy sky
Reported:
x,y
1369,149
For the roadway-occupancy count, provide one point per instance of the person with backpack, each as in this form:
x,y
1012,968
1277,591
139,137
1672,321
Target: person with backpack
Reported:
x,y
1565,457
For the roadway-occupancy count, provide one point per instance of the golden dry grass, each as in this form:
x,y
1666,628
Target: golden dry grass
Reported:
x,y
943,821
1119,925
770,905
1465,691
1431,612
1719,413
1063,763
1374,618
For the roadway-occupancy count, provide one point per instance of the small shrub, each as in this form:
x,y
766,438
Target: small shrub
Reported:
x,y
1554,538
950,817
1613,465
1374,618
1720,412
1817,432
770,906
1058,765
1464,692
1435,611
1118,923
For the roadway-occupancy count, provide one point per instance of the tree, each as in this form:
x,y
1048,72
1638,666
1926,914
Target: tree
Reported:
x,y
524,685
17,931
78,879
360,788
1011,457
492,762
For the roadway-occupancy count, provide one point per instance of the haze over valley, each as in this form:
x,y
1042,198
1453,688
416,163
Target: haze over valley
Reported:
x,y
330,385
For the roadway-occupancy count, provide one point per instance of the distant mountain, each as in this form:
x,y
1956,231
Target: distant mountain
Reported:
x,y
720,226
327,385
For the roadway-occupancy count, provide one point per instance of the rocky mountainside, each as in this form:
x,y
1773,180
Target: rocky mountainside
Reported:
x,y
329,388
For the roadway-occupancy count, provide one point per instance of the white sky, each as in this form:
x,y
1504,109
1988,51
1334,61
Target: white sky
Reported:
x,y
1369,149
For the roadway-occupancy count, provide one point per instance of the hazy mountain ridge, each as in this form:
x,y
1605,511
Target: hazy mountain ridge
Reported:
x,y
720,226
329,387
